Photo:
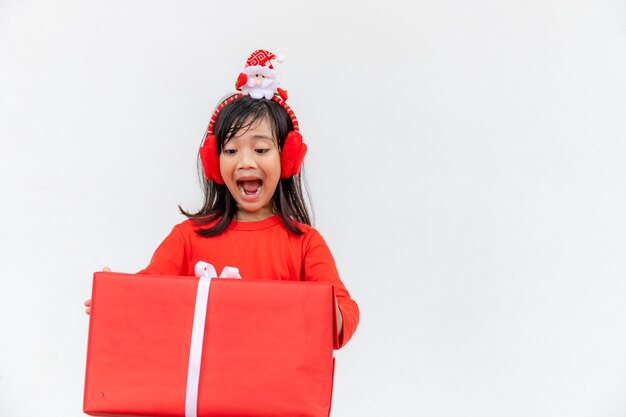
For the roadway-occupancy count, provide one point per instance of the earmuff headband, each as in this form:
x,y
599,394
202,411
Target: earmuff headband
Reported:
x,y
276,97
294,149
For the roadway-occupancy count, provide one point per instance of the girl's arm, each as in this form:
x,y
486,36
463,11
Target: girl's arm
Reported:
x,y
170,257
319,265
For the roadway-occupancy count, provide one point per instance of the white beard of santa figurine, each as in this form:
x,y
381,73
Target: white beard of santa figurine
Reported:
x,y
258,79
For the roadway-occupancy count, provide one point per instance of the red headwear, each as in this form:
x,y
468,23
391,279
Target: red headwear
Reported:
x,y
294,149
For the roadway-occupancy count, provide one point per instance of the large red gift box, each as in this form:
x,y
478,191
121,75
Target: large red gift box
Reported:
x,y
267,350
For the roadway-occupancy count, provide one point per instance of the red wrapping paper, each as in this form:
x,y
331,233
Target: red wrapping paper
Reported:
x,y
268,347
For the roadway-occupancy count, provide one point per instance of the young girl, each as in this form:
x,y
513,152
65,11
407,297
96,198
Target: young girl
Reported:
x,y
254,216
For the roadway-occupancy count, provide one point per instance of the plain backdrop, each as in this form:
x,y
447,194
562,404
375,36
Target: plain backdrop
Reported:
x,y
466,163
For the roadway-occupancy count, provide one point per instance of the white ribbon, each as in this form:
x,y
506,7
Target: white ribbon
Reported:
x,y
205,272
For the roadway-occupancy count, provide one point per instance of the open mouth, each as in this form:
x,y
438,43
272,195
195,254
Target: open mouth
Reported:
x,y
250,188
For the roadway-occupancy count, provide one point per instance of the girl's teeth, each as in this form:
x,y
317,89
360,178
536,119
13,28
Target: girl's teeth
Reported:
x,y
243,191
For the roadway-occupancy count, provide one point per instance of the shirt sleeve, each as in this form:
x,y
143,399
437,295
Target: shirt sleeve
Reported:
x,y
170,257
319,265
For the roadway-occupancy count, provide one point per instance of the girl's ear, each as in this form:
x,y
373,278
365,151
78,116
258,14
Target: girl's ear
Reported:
x,y
211,160
292,155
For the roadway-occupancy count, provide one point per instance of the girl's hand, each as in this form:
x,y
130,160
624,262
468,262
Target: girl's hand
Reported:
x,y
88,302
339,320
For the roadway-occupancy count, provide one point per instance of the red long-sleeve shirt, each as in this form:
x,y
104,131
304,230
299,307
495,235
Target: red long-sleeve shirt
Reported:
x,y
261,250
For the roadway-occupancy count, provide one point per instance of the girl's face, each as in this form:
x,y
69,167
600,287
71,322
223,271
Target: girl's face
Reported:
x,y
250,166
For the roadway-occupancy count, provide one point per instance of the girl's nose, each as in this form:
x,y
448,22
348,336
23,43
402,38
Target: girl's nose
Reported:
x,y
246,159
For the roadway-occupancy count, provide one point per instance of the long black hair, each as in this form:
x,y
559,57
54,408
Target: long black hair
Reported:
x,y
219,205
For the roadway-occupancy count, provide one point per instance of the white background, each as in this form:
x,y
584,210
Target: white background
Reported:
x,y
467,168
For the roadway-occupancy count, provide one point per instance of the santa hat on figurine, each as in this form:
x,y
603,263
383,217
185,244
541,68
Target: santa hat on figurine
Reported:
x,y
258,79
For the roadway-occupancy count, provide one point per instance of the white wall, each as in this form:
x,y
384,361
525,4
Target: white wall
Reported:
x,y
466,163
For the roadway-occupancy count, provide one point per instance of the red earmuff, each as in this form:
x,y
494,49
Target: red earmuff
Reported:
x,y
211,160
292,155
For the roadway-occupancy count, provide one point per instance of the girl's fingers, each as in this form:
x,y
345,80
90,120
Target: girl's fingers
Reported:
x,y
88,302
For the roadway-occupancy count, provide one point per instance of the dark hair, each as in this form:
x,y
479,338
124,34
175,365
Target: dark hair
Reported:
x,y
219,205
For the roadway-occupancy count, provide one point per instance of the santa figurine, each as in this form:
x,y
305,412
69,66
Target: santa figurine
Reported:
x,y
258,79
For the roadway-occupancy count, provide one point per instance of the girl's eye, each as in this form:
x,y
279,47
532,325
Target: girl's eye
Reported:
x,y
229,151
262,150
